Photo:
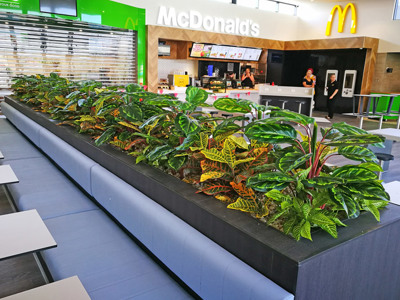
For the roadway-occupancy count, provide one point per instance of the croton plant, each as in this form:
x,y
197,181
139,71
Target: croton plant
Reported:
x,y
273,167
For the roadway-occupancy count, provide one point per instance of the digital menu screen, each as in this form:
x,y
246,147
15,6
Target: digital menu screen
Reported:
x,y
200,50
252,54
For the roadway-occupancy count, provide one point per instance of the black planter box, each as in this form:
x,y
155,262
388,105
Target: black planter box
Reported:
x,y
362,263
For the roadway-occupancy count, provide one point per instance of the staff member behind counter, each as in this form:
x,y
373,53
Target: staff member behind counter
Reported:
x,y
248,78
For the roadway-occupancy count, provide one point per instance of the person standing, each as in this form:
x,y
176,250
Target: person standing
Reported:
x,y
333,89
310,79
248,78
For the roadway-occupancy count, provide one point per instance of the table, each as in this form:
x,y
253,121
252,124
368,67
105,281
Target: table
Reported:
x,y
1,155
66,289
393,189
7,175
375,99
22,233
391,135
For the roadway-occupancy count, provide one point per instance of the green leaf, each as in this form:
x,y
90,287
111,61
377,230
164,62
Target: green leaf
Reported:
x,y
225,129
176,162
373,210
131,112
331,229
248,206
296,231
371,166
271,133
358,153
292,160
368,191
362,139
232,105
352,173
196,96
159,152
264,182
347,129
187,125
322,182
319,219
214,155
152,120
345,200
290,116
288,225
306,209
277,196
188,142
106,136
305,230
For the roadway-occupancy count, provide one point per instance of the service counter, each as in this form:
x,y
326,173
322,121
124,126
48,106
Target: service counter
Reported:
x,y
298,99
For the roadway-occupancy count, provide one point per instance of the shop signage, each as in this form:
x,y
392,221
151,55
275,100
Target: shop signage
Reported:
x,y
342,18
192,19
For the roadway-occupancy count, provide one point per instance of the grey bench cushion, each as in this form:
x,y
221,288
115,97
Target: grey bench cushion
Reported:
x,y
211,271
14,146
42,186
72,161
23,123
109,264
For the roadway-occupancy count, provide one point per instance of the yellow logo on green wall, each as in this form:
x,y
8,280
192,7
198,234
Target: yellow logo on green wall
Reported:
x,y
342,18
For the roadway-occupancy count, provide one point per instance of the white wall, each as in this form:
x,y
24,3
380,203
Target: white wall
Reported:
x,y
177,66
374,19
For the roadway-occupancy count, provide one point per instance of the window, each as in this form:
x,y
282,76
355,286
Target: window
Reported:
x,y
396,14
76,50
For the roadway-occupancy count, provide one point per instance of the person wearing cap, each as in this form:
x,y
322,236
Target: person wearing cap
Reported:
x,y
333,89
310,79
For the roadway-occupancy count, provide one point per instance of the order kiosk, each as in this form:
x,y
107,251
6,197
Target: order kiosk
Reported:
x,y
349,83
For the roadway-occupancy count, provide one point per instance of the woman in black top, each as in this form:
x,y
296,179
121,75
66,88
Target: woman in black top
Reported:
x,y
248,78
309,79
333,90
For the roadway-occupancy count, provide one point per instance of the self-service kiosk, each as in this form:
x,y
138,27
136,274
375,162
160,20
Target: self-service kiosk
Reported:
x,y
349,83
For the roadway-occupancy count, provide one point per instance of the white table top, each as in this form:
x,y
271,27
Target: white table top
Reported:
x,y
1,155
23,232
7,175
66,289
389,133
393,189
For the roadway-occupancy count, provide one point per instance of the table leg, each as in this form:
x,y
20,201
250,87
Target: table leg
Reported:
x,y
380,122
398,122
391,99
361,122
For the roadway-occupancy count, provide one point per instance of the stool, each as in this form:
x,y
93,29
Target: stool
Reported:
x,y
227,115
383,157
300,103
266,102
212,113
283,103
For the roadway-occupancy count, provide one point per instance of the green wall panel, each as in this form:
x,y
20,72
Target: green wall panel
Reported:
x,y
104,12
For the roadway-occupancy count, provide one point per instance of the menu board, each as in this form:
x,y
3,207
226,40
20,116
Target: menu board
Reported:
x,y
196,50
225,52
252,54
220,52
236,53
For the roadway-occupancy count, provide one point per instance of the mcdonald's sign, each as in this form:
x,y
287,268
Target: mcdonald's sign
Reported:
x,y
342,17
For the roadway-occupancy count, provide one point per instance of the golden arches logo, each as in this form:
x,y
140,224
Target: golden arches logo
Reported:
x,y
129,20
342,18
